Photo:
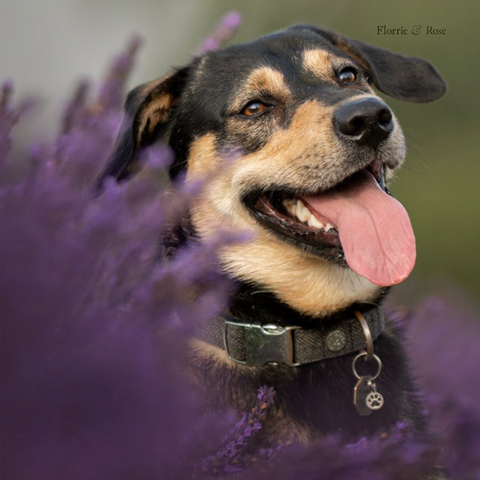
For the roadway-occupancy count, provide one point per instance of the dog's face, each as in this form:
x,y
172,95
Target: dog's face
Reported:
x,y
300,150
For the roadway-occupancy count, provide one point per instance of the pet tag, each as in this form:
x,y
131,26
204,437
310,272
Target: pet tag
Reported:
x,y
365,396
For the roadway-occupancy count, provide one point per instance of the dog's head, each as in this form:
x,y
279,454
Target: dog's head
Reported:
x,y
314,148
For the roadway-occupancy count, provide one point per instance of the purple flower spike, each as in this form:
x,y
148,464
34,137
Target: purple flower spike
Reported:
x,y
237,454
232,21
112,90
226,29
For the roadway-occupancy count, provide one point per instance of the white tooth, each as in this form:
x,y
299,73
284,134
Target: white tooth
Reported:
x,y
290,205
304,216
314,222
303,213
328,227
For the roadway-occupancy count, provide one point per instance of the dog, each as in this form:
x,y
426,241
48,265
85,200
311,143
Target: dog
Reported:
x,y
315,149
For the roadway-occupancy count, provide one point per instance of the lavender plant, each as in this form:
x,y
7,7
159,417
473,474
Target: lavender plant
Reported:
x,y
233,458
224,31
94,327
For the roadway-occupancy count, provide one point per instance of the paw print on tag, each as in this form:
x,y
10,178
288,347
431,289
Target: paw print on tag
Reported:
x,y
374,401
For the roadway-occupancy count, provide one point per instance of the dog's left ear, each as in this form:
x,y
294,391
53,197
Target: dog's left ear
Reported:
x,y
410,79
149,111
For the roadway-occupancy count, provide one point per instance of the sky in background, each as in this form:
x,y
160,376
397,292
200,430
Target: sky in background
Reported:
x,y
46,46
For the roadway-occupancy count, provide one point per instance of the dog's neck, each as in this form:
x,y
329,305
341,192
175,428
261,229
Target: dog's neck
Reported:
x,y
254,305
249,303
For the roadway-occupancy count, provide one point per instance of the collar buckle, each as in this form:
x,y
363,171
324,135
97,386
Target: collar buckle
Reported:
x,y
264,344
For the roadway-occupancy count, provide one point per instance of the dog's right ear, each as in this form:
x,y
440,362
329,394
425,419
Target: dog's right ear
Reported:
x,y
149,110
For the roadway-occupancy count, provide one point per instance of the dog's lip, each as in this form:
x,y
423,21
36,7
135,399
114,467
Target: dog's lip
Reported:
x,y
377,168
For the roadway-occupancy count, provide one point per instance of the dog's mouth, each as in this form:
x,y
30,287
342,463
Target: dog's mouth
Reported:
x,y
357,223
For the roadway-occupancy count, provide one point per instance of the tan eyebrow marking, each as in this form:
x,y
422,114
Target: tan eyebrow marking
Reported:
x,y
318,62
262,80
266,78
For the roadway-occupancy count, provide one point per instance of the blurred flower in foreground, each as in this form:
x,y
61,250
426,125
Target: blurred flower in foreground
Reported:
x,y
91,335
93,329
233,457
444,336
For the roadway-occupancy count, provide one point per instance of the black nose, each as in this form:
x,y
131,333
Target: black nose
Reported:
x,y
367,121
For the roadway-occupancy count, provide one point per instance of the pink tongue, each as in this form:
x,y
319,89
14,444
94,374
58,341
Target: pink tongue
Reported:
x,y
374,228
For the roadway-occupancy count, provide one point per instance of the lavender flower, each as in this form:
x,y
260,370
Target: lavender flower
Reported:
x,y
234,457
225,30
112,89
444,336
76,108
9,117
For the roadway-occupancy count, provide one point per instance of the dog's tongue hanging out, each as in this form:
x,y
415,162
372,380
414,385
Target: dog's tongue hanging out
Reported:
x,y
374,228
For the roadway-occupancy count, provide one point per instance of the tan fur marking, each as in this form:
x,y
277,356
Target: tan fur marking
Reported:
x,y
318,62
203,158
155,112
264,79
267,78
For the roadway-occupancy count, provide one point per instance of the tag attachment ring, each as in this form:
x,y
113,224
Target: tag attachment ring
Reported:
x,y
365,354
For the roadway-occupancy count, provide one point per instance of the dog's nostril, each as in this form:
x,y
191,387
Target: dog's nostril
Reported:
x,y
385,117
354,126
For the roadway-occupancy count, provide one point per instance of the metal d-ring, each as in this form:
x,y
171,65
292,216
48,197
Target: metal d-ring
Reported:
x,y
367,333
365,354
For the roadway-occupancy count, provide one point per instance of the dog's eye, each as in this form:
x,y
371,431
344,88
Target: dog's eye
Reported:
x,y
348,75
254,108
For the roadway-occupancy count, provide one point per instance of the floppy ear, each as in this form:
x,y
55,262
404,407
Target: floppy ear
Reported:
x,y
411,79
149,110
